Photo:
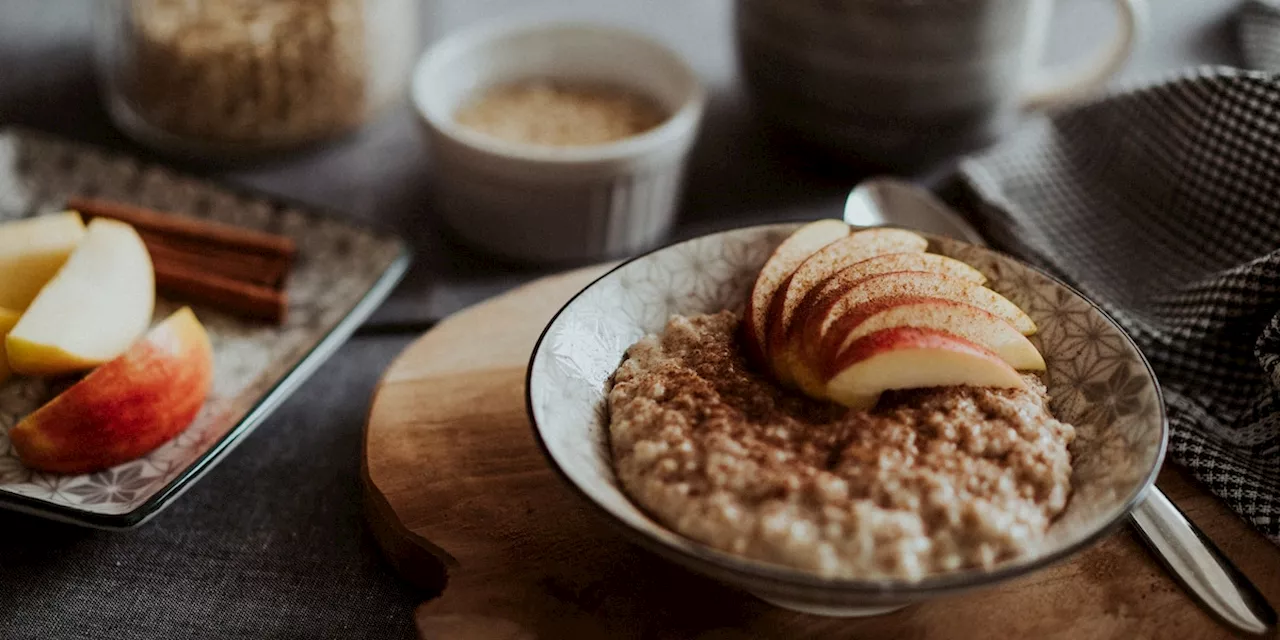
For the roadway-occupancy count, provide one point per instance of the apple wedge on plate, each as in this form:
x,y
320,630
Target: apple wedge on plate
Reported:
x,y
8,318
97,305
32,250
126,407
846,316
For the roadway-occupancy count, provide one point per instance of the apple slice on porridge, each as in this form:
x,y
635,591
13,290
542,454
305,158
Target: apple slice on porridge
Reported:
x,y
907,433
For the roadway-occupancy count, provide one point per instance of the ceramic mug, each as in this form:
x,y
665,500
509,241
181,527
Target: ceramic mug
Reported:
x,y
896,83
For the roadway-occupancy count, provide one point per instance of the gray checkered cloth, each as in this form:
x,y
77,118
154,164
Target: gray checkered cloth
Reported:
x,y
1162,204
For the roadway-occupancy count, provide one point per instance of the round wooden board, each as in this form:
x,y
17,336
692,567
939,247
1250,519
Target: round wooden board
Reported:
x,y
463,503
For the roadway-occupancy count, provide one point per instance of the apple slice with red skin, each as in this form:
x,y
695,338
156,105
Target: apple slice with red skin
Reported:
x,y
820,319
914,283
956,318
816,269
126,407
792,354
841,280
784,260
913,358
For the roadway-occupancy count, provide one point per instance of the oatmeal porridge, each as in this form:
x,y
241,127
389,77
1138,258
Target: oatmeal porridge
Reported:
x,y
931,480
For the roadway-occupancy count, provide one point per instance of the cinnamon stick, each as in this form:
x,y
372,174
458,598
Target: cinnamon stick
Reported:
x,y
232,296
239,271
269,271
213,233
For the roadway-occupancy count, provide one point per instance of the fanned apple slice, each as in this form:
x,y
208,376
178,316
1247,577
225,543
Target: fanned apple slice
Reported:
x,y
956,318
893,285
888,263
819,319
786,257
813,271
913,283
795,355
913,358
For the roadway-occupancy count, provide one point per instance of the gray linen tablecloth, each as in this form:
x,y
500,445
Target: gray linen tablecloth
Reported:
x,y
271,543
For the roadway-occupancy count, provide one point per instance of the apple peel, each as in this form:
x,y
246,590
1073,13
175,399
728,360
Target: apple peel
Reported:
x,y
125,408
912,358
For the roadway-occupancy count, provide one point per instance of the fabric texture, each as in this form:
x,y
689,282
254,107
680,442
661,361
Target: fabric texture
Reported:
x,y
1162,204
1259,31
272,543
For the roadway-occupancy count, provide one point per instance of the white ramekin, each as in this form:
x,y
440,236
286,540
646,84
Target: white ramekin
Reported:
x,y
555,204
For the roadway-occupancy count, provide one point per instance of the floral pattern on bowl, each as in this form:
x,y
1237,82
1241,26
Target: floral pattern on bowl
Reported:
x,y
1096,377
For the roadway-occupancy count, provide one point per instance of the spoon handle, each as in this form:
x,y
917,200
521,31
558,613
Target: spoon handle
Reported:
x,y
1200,566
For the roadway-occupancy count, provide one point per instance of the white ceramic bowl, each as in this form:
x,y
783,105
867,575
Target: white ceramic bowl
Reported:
x,y
1097,378
556,204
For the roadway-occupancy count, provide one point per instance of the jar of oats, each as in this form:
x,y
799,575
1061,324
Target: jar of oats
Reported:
x,y
243,77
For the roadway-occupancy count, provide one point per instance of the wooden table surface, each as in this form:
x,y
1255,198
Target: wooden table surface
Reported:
x,y
462,499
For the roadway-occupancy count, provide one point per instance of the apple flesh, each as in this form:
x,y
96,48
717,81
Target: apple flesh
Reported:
x,y
92,310
814,271
8,318
794,356
32,250
956,318
798,246
125,408
841,280
912,358
818,320
913,283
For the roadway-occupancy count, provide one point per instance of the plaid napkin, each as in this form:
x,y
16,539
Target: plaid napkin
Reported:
x,y
1162,204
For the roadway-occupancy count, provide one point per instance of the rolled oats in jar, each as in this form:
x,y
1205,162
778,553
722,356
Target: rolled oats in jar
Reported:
x,y
229,76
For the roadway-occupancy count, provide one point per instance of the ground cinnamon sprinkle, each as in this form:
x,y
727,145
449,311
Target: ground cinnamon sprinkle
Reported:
x,y
560,114
932,480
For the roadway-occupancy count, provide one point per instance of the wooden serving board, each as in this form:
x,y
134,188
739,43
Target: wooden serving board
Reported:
x,y
463,503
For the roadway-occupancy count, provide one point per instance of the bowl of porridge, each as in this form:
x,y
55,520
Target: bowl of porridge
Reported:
x,y
961,418
556,143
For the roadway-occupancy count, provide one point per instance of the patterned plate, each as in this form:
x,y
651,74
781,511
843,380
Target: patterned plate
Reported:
x,y
341,275
1097,378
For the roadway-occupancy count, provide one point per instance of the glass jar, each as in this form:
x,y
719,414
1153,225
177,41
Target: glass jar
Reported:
x,y
226,78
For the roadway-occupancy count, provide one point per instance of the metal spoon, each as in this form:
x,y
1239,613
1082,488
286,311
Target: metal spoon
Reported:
x,y
1179,545
886,201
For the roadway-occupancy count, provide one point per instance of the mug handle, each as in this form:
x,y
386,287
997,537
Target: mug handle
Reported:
x,y
1056,86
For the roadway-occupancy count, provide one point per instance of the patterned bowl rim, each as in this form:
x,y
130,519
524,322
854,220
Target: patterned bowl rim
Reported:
x,y
716,562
